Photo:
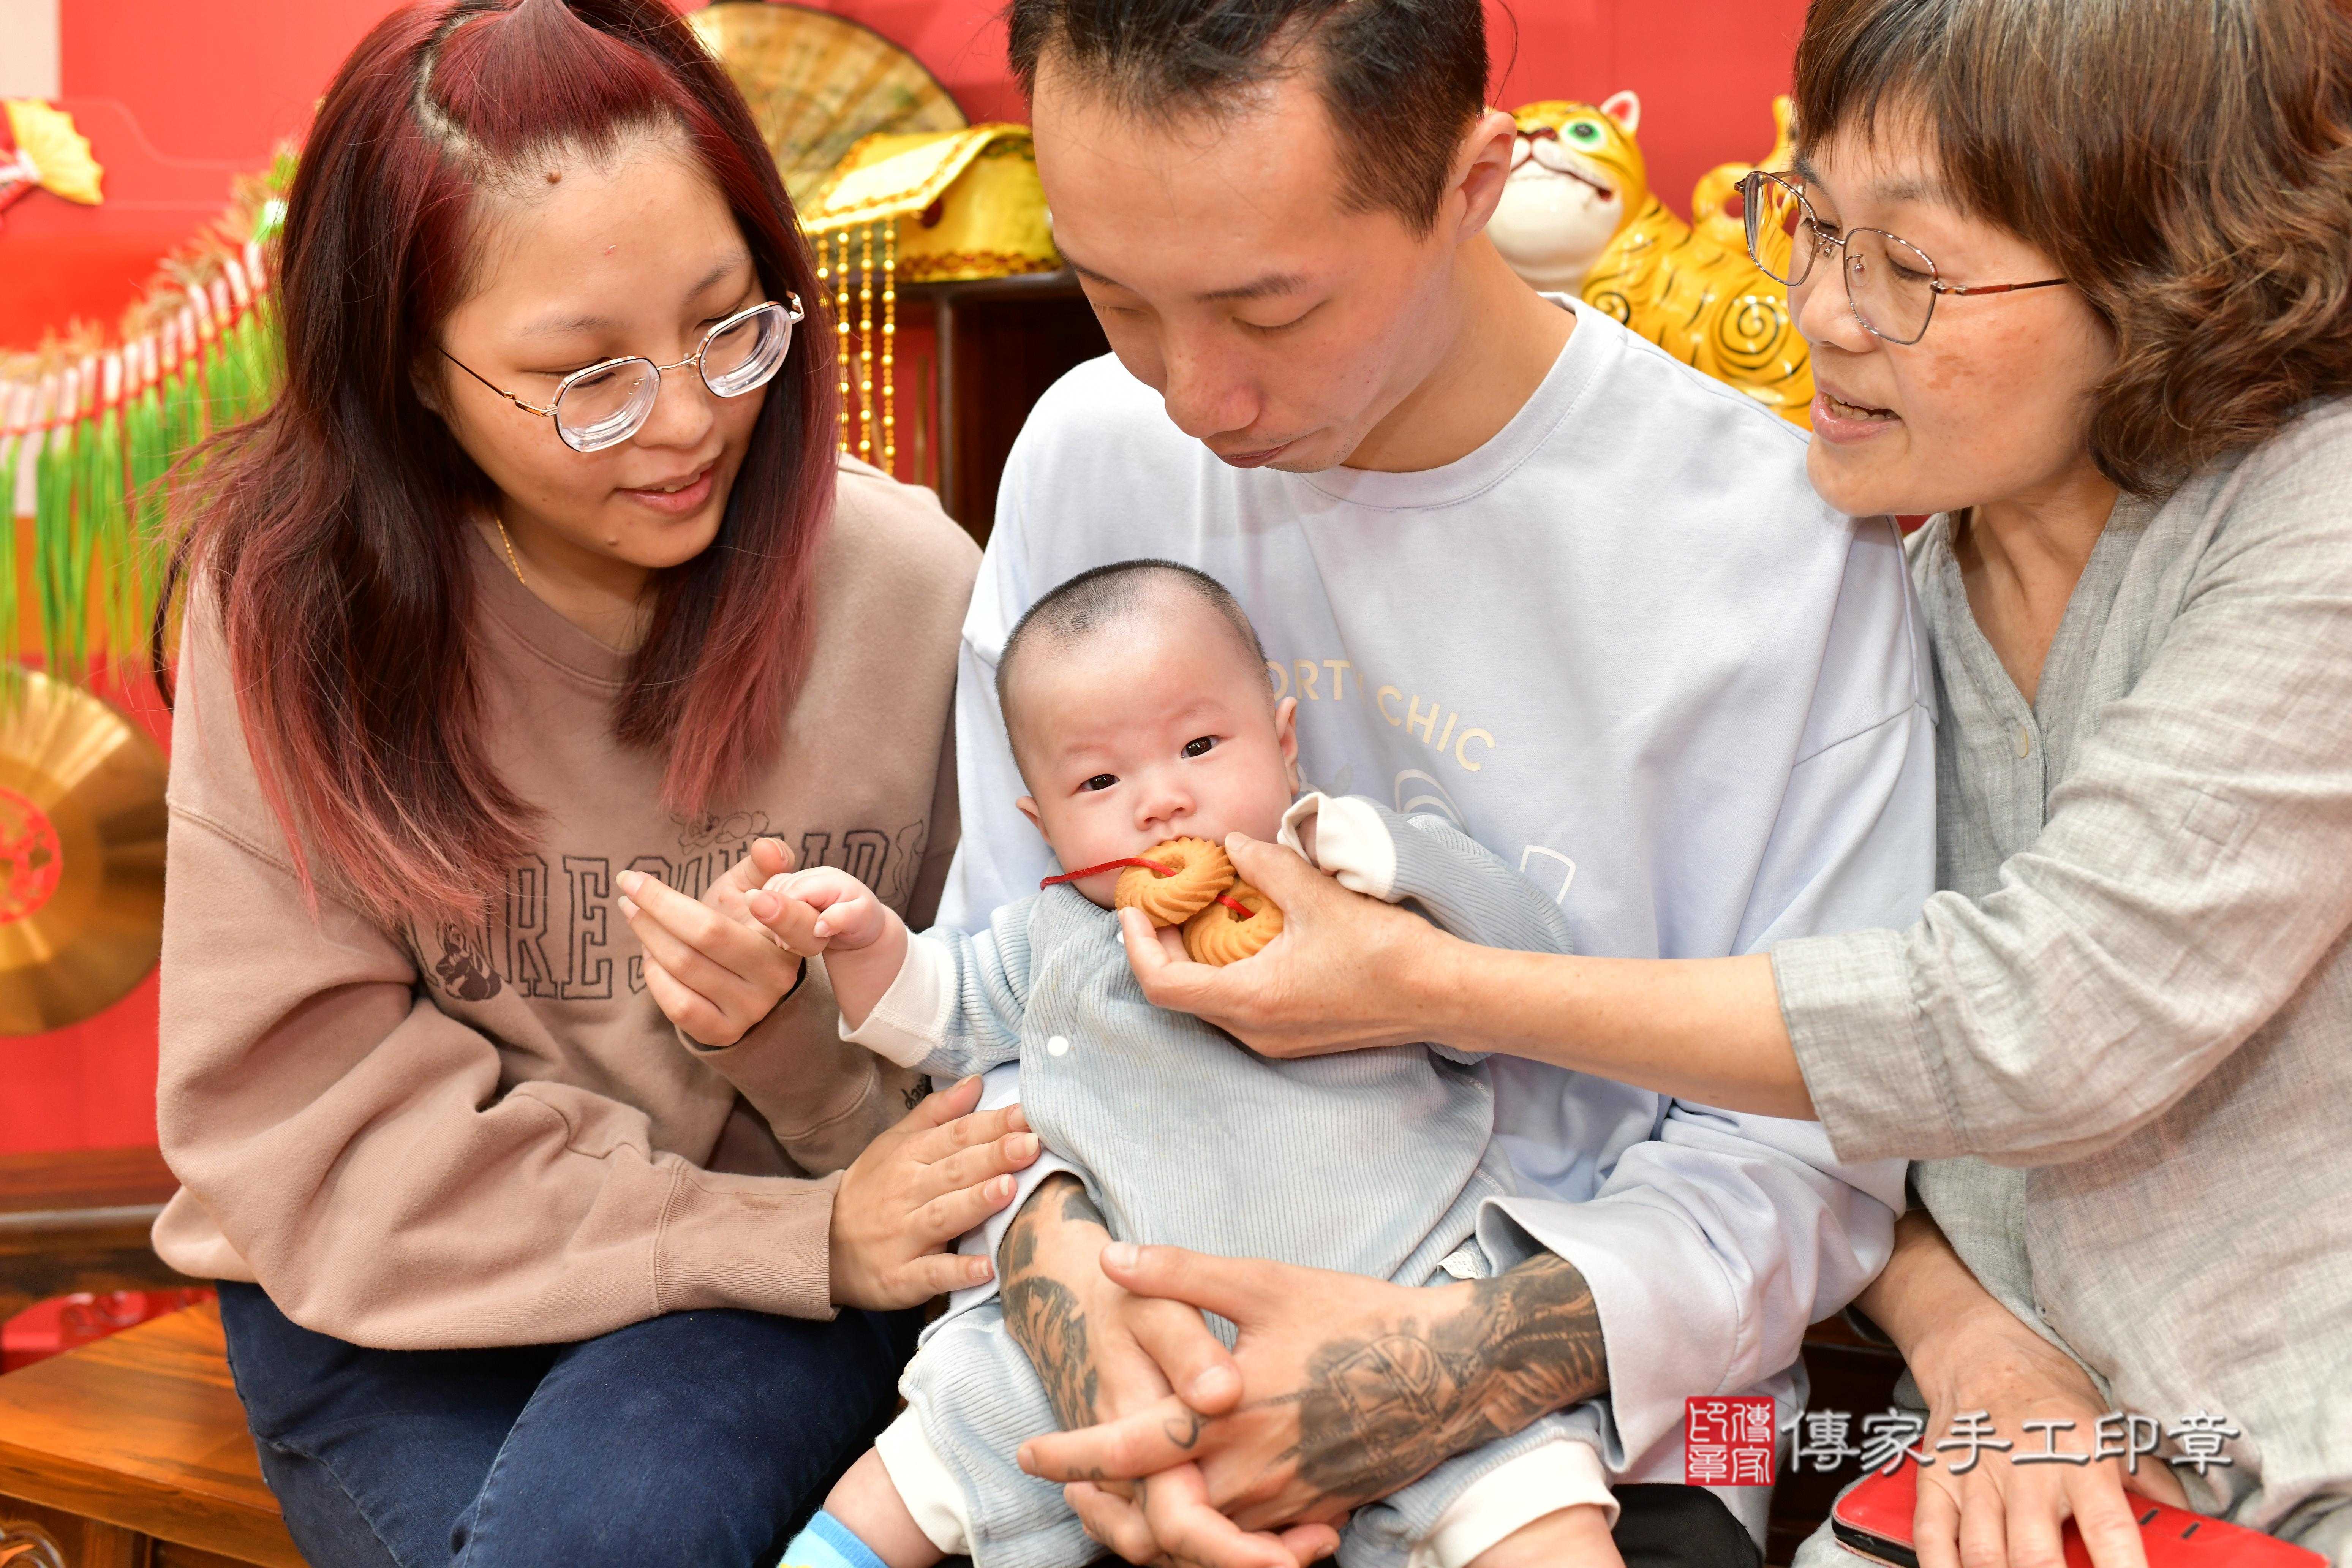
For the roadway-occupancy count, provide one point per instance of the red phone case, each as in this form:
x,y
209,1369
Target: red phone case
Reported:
x,y
1874,1519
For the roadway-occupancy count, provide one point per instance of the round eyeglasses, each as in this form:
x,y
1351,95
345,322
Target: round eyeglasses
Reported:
x,y
1890,284
610,401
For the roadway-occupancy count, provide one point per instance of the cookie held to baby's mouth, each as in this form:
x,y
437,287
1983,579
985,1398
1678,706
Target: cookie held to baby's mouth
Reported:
x,y
1174,880
1191,882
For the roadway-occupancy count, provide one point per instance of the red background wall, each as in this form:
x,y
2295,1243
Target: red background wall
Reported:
x,y
178,96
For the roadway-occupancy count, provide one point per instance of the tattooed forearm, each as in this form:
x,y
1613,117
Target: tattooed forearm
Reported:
x,y
1044,1318
1378,1413
1044,1313
1077,1205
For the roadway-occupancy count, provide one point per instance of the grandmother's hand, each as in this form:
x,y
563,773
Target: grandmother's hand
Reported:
x,y
1345,973
1999,1512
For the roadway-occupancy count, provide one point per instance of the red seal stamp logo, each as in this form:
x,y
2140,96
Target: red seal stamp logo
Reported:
x,y
1728,1441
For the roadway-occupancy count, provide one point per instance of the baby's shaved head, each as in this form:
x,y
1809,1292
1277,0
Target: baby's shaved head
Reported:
x,y
1103,596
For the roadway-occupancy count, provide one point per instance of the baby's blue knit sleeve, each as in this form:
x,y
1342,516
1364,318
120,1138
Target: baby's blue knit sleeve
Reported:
x,y
1459,884
986,977
1466,890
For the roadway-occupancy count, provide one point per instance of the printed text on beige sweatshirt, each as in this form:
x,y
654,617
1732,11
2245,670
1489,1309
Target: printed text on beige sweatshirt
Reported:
x,y
492,1136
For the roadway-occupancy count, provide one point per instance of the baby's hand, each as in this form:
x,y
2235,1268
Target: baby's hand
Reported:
x,y
820,909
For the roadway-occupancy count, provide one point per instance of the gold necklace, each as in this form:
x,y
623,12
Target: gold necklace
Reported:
x,y
509,545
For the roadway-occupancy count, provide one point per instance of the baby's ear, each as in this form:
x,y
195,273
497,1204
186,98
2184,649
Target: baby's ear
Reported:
x,y
1028,805
1286,731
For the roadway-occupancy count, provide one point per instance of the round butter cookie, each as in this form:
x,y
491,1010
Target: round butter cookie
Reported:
x,y
1197,872
1221,934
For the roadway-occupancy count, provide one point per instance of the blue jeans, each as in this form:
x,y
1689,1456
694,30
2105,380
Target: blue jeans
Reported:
x,y
696,1437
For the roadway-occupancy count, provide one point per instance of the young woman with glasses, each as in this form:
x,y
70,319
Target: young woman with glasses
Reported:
x,y
2077,279
535,627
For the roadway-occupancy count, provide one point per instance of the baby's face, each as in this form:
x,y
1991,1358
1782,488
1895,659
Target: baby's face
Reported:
x,y
1156,726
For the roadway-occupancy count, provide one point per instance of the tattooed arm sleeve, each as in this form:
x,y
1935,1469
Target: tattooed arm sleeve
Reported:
x,y
1043,1312
1379,1411
1452,1371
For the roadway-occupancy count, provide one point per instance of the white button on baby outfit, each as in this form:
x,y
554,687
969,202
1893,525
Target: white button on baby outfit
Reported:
x,y
1058,1046
2025,741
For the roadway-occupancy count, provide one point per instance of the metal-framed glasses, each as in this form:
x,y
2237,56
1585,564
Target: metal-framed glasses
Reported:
x,y
1890,284
608,402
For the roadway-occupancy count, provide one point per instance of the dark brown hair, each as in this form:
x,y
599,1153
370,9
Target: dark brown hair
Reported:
x,y
331,532
1401,80
1101,594
2186,164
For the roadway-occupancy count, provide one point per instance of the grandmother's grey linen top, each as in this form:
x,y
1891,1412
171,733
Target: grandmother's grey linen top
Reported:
x,y
2134,997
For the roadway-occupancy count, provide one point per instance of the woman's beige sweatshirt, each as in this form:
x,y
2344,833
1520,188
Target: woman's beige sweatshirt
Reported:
x,y
458,1137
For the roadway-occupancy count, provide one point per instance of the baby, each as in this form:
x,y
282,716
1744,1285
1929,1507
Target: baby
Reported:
x,y
1137,700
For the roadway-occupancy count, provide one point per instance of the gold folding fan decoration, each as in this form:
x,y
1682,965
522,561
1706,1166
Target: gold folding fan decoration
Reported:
x,y
818,84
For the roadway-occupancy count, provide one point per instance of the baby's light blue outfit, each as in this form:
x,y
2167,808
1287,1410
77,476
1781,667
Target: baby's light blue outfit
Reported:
x,y
1373,1162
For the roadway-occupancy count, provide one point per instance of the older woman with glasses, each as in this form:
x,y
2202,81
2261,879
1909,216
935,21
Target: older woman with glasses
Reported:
x,y
2077,278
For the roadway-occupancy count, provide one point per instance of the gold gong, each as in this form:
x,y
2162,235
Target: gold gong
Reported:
x,y
82,856
817,83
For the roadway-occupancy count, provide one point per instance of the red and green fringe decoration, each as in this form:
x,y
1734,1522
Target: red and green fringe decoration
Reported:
x,y
90,435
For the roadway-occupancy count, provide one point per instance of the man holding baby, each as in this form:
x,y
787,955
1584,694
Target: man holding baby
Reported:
x,y
1518,571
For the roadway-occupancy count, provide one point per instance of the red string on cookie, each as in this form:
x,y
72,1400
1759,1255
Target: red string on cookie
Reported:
x,y
1242,912
1154,867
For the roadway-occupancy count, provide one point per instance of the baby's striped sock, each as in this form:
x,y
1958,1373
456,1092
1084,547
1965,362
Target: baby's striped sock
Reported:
x,y
827,1543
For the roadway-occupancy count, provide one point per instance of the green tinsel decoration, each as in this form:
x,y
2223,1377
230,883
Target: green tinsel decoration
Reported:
x,y
98,480
107,535
149,459
11,464
252,370
73,563
53,515
204,369
180,411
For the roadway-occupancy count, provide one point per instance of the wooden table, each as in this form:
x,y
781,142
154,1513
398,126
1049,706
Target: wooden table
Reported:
x,y
133,1453
78,1220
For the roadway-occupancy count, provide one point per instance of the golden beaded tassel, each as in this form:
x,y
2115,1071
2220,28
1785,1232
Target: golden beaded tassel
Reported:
x,y
866,342
889,348
824,288
841,330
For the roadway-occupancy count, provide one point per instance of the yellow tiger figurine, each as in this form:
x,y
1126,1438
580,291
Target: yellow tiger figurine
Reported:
x,y
1714,200
1577,214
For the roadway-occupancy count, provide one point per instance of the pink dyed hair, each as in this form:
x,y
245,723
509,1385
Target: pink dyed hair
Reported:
x,y
330,532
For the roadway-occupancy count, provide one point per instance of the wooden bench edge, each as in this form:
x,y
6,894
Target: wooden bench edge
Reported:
x,y
183,1517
